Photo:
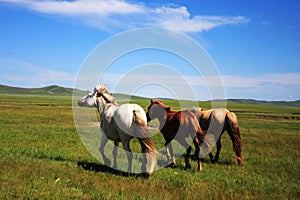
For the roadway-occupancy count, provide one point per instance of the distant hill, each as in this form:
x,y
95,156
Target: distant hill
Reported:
x,y
50,90
120,96
266,103
58,90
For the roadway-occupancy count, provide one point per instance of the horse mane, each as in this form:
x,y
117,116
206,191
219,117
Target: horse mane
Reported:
x,y
167,108
109,99
103,91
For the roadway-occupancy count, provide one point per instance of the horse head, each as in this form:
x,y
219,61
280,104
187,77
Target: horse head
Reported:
x,y
157,110
88,100
197,111
99,95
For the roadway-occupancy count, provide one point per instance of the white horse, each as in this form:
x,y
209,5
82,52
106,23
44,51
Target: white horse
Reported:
x,y
121,124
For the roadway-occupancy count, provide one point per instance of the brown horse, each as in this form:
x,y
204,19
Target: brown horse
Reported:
x,y
179,126
229,121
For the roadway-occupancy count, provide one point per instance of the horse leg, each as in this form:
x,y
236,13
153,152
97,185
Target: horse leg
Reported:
x,y
197,148
126,146
115,153
144,160
197,152
188,152
219,147
169,153
211,157
103,142
197,143
152,156
187,158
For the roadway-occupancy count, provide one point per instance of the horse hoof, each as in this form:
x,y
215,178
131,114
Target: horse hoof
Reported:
x,y
188,166
195,157
145,175
171,165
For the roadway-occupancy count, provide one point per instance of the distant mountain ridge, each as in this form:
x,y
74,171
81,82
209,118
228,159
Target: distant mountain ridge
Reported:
x,y
53,89
59,90
266,103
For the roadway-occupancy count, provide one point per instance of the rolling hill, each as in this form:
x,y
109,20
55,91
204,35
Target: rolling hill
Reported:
x,y
266,103
63,91
50,90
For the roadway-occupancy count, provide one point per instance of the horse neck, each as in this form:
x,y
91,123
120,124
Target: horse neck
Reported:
x,y
105,107
100,106
166,115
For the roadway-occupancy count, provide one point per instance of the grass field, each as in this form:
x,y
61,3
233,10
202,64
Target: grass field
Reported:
x,y
42,157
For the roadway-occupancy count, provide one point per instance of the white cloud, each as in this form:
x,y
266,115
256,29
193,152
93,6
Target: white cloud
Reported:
x,y
119,14
80,7
179,19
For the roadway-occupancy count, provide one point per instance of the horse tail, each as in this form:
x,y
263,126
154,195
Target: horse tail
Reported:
x,y
141,132
235,135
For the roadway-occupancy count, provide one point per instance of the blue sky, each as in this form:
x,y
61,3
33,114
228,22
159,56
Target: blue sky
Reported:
x,y
255,44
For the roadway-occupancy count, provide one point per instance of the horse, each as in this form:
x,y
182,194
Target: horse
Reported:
x,y
179,126
121,123
229,121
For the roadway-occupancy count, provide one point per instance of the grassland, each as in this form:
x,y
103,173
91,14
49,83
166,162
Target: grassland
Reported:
x,y
42,157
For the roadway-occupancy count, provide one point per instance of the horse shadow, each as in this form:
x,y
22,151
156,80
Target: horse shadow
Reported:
x,y
206,160
96,167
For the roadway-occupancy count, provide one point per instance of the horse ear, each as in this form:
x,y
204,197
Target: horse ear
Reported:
x,y
151,101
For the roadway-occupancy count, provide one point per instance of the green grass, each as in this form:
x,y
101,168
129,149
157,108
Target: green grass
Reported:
x,y
42,157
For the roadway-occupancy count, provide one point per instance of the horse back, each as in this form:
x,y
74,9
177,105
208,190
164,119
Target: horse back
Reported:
x,y
183,122
124,115
185,117
232,117
220,116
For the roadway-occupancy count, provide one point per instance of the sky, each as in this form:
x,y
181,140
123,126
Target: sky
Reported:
x,y
255,45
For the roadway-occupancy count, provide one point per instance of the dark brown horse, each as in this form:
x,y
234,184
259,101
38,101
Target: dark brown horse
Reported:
x,y
228,122
179,126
